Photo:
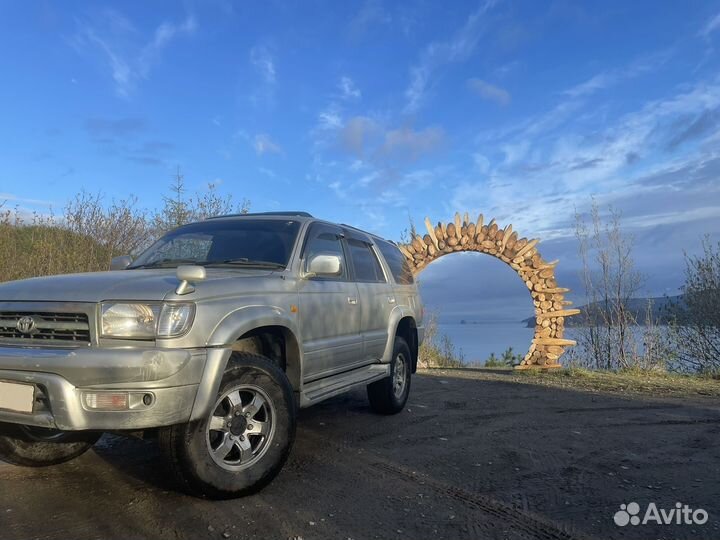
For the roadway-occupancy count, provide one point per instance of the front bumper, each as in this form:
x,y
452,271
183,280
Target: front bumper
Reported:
x,y
179,381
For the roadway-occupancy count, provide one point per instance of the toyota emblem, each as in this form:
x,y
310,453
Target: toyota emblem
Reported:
x,y
26,325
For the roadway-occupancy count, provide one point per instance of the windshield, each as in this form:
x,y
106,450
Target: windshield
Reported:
x,y
224,242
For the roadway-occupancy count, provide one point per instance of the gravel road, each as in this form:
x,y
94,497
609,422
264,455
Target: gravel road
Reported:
x,y
468,458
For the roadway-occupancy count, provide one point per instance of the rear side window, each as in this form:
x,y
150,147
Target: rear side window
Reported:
x,y
399,267
365,263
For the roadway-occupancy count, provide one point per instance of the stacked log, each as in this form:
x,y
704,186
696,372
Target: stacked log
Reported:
x,y
521,254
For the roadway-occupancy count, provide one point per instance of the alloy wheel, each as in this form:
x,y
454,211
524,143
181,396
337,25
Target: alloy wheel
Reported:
x,y
241,427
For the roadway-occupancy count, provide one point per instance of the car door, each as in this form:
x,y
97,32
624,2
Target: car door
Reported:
x,y
375,294
406,293
329,312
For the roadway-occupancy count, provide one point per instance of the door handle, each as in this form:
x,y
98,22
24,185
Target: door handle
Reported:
x,y
391,299
352,300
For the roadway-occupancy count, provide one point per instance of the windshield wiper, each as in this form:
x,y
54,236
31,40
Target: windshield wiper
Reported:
x,y
164,263
244,261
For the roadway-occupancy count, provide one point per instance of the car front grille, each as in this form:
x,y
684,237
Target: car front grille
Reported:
x,y
60,328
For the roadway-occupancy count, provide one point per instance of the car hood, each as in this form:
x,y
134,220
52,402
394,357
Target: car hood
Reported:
x,y
147,285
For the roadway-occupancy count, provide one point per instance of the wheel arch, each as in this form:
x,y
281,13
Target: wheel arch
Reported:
x,y
402,323
269,331
407,329
276,342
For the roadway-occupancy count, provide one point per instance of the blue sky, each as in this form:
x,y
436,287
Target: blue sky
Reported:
x,y
365,112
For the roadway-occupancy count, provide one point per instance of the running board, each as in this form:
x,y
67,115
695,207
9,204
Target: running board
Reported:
x,y
337,384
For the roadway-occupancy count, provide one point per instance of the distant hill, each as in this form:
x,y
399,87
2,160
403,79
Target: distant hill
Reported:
x,y
638,306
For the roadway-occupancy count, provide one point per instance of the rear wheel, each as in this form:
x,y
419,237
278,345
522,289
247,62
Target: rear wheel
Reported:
x,y
244,441
389,395
30,446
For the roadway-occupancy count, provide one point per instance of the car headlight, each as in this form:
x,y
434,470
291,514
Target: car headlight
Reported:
x,y
146,321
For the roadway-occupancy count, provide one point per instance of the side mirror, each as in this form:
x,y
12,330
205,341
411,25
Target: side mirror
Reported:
x,y
120,263
189,274
324,265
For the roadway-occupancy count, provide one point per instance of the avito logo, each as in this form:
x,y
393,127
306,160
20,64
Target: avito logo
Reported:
x,y
681,514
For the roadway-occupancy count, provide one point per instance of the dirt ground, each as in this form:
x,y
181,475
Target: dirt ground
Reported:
x,y
469,458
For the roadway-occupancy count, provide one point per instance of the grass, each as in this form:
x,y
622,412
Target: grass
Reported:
x,y
654,383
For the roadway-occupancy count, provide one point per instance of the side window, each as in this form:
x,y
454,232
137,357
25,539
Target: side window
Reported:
x,y
397,262
365,263
324,240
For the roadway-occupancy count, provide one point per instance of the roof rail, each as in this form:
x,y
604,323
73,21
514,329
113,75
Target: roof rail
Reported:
x,y
288,214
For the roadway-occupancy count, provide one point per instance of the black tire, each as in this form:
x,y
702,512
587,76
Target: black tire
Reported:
x,y
40,447
383,394
188,447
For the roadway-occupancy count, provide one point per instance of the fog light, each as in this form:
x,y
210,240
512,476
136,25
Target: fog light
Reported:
x,y
106,401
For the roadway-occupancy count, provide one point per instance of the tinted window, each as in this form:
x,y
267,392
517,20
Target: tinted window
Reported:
x,y
323,240
399,267
365,263
242,240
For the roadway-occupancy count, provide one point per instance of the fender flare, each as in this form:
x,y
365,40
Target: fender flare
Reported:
x,y
398,313
242,320
219,346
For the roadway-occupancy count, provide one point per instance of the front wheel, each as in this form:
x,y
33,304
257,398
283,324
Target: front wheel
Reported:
x,y
29,446
389,395
246,438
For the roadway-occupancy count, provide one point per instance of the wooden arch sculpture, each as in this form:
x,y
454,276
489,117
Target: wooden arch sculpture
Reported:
x,y
521,254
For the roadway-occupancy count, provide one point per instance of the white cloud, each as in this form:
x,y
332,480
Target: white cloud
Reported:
x,y
357,165
17,199
115,40
164,34
482,163
423,178
683,215
368,179
338,189
242,134
611,77
369,141
437,54
263,61
267,172
348,89
489,91
371,13
329,119
506,68
515,138
592,85
408,144
263,144
356,134
562,162
711,26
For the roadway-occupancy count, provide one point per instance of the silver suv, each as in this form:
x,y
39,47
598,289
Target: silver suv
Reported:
x,y
211,339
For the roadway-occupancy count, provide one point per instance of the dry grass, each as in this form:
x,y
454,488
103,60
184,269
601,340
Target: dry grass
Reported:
x,y
649,383
89,231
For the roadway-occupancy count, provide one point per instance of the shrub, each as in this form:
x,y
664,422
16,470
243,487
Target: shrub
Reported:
x,y
611,281
89,233
437,349
695,330
507,359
